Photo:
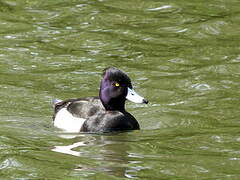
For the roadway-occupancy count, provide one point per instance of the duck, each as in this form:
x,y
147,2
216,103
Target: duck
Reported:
x,y
103,113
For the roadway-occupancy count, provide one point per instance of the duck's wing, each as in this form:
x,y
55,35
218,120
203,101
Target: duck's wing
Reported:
x,y
86,107
80,107
69,115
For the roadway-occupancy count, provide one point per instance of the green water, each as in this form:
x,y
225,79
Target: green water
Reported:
x,y
183,56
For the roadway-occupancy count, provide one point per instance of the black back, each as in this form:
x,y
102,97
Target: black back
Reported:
x,y
81,107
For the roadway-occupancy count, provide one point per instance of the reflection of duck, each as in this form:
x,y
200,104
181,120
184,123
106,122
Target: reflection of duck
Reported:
x,y
69,149
105,113
111,154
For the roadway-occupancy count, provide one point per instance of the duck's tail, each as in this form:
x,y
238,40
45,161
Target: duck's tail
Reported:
x,y
55,101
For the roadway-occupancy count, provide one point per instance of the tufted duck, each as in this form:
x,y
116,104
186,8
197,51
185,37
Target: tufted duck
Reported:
x,y
105,113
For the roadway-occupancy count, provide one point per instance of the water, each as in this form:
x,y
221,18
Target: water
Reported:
x,y
184,56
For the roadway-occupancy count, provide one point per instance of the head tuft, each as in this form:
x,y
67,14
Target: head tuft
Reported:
x,y
114,74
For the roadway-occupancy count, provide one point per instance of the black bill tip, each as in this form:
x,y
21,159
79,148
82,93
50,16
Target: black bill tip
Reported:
x,y
145,101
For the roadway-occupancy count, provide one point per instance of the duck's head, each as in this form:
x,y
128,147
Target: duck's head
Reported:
x,y
115,88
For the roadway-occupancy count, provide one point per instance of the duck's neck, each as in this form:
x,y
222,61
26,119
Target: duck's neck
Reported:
x,y
112,104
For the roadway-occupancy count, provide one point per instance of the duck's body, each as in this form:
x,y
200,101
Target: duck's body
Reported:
x,y
105,113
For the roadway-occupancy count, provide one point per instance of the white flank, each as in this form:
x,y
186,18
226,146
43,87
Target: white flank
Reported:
x,y
67,122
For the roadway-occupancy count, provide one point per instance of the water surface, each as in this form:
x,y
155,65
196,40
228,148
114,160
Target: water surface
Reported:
x,y
184,56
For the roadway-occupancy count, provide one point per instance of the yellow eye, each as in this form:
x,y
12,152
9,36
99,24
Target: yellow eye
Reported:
x,y
117,84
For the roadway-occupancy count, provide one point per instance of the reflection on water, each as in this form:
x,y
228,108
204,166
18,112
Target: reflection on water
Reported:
x,y
68,149
118,161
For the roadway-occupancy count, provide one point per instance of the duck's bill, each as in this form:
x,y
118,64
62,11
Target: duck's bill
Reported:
x,y
134,97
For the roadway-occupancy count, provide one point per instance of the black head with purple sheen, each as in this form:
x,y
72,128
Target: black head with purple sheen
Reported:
x,y
115,87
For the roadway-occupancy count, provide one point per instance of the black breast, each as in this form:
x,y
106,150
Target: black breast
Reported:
x,y
109,121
